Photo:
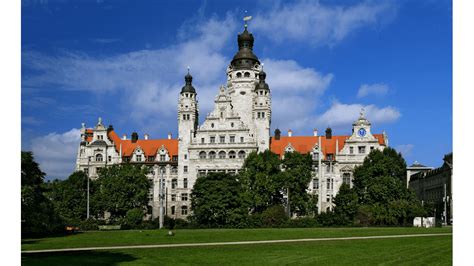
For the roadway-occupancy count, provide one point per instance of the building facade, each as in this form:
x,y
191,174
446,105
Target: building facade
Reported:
x,y
238,125
434,187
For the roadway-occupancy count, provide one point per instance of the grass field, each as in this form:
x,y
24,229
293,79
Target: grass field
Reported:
x,y
433,250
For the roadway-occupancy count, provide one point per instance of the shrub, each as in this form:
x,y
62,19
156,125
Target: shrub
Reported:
x,y
133,218
274,216
302,222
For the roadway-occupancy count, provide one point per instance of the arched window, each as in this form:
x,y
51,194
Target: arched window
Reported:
x,y
99,158
239,75
232,154
202,155
247,75
212,155
346,178
222,155
241,154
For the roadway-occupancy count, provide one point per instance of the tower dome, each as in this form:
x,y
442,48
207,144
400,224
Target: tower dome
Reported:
x,y
188,87
262,85
245,58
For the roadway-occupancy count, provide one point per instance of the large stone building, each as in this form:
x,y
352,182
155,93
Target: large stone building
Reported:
x,y
238,125
434,187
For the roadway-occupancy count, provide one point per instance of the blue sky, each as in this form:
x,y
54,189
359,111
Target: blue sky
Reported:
x,y
125,61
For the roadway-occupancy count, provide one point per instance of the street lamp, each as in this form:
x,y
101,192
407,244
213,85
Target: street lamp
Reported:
x,y
161,196
88,163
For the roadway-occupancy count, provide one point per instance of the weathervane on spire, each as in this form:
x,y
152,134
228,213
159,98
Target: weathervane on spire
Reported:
x,y
246,18
362,111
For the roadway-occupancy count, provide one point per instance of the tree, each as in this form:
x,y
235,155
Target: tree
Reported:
x,y
121,188
218,199
346,202
70,197
262,180
378,163
379,184
37,212
297,175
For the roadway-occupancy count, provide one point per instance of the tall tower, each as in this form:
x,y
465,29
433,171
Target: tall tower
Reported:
x,y
188,117
262,112
242,80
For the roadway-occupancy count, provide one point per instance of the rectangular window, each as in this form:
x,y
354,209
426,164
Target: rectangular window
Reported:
x,y
185,183
139,158
221,139
185,156
202,140
361,149
315,156
351,150
173,210
86,171
371,148
184,196
175,158
263,114
201,173
328,168
184,210
151,158
330,157
328,198
328,183
346,178
258,114
232,139
110,158
242,139
162,158
174,170
185,168
173,197
315,183
212,140
174,183
184,117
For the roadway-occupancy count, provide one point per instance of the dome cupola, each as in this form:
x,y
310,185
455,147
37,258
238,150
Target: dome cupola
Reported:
x,y
245,58
188,87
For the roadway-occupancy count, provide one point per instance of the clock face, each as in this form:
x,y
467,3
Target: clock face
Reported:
x,y
362,132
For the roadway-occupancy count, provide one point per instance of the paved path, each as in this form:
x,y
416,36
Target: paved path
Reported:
x,y
232,243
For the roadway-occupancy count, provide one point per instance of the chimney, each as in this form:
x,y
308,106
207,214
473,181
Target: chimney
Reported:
x,y
145,136
134,137
290,132
110,128
328,133
315,132
277,134
169,135
124,137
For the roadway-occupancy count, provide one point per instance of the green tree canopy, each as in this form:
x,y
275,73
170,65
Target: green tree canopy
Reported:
x,y
70,197
37,212
121,188
217,199
346,202
297,175
262,179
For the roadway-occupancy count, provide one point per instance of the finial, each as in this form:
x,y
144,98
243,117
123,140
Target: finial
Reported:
x,y
262,65
246,18
83,125
188,69
100,121
362,111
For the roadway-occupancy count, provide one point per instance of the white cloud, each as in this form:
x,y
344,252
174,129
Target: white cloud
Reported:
x,y
374,89
405,149
56,152
319,24
340,114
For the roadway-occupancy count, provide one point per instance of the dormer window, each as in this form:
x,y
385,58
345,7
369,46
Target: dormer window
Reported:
x,y
139,158
99,158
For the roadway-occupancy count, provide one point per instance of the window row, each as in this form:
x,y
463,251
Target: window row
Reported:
x,y
260,115
184,197
204,172
143,158
360,149
184,210
222,155
222,139
174,183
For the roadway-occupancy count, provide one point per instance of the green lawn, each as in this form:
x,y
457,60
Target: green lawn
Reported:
x,y
144,237
435,250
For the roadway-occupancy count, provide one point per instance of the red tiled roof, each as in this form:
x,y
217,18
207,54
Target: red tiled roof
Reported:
x,y
149,146
305,144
